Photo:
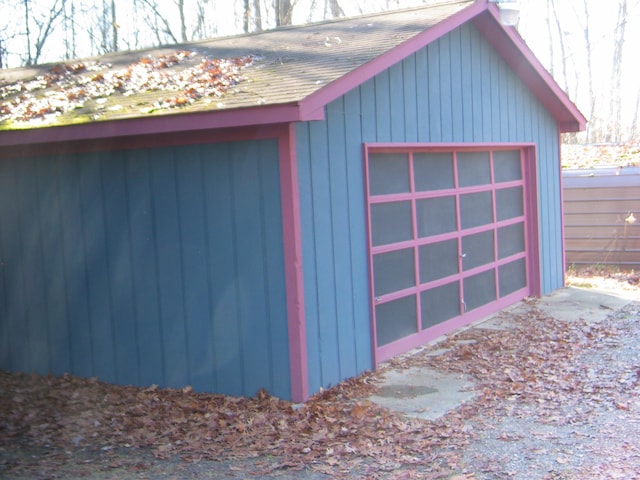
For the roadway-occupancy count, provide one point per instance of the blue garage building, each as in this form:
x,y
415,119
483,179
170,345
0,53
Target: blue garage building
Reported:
x,y
281,210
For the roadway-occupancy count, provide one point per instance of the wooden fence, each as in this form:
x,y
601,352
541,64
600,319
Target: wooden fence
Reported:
x,y
602,217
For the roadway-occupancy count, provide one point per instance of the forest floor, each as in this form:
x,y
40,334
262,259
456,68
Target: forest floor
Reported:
x,y
600,155
553,400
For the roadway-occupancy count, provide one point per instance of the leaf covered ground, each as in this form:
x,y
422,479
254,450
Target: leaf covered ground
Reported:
x,y
553,400
576,156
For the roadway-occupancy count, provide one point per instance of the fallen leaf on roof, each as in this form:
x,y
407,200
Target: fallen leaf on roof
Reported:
x,y
66,87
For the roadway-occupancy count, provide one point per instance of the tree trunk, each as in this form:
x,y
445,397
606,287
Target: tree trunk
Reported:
x,y
183,23
257,16
105,31
634,134
114,26
550,35
246,15
593,122
335,10
283,10
27,32
563,51
615,116
71,22
201,29
553,13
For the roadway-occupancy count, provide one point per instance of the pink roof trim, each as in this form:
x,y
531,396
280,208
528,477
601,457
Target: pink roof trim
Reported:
x,y
164,124
513,49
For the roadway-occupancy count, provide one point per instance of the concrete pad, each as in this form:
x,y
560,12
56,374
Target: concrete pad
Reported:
x,y
423,392
588,304
426,393
567,304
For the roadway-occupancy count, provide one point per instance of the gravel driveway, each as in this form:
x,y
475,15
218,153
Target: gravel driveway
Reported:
x,y
593,434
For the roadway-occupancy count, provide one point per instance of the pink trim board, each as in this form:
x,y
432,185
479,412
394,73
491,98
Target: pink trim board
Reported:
x,y
293,266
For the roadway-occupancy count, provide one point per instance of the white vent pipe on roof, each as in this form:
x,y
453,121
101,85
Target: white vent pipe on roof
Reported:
x,y
509,11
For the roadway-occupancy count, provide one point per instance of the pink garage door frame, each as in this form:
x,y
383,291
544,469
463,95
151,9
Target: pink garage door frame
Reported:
x,y
531,254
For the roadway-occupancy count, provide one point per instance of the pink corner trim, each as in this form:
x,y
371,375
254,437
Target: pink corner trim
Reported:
x,y
293,266
372,304
533,232
562,224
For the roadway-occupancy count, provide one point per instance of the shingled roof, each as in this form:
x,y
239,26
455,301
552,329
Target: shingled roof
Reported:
x,y
282,75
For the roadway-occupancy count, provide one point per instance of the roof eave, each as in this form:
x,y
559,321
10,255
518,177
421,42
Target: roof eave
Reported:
x,y
513,49
173,123
568,127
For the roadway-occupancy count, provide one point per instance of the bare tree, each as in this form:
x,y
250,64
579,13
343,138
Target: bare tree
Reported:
x,y
257,16
634,134
334,8
38,28
283,12
204,26
593,123
104,28
69,30
557,37
615,116
246,15
187,22
158,23
183,23
114,27
9,31
27,29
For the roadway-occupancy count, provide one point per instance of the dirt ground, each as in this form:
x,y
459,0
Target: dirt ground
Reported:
x,y
553,401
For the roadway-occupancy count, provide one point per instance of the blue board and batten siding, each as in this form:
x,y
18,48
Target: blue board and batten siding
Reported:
x,y
456,89
151,266
166,266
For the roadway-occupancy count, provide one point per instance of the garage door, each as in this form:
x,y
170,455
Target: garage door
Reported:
x,y
448,235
